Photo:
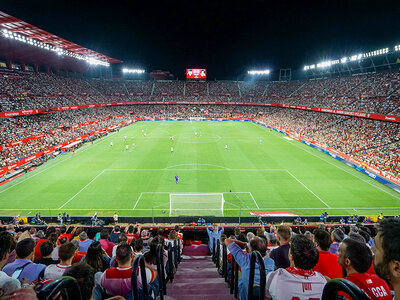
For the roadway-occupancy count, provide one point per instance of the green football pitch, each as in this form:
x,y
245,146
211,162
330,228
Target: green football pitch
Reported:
x,y
226,169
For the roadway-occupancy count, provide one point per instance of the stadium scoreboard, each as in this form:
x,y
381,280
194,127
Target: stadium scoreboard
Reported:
x,y
196,73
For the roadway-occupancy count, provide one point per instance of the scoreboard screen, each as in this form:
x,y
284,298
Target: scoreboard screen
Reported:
x,y
196,73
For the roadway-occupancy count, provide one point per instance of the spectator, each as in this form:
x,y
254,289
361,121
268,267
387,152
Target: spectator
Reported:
x,y
66,255
133,232
337,237
84,242
122,238
78,254
84,275
138,247
327,263
214,233
115,234
7,284
299,280
97,258
117,281
356,259
105,242
64,229
243,260
23,264
62,241
387,253
46,250
280,254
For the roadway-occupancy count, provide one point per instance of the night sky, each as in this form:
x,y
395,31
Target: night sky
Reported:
x,y
226,37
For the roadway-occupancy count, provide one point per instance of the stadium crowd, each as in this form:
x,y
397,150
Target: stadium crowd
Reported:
x,y
371,93
298,260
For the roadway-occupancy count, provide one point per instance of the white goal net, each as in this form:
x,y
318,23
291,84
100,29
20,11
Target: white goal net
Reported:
x,y
199,204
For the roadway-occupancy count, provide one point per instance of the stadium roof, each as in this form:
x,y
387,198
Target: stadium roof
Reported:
x,y
17,26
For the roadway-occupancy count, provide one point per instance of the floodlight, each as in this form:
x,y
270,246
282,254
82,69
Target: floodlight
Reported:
x,y
343,60
132,71
258,72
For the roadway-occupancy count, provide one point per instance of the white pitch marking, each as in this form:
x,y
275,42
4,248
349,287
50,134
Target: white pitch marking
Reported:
x,y
137,201
309,189
81,190
254,200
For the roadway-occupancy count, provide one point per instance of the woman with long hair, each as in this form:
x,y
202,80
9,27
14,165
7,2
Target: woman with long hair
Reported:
x,y
96,257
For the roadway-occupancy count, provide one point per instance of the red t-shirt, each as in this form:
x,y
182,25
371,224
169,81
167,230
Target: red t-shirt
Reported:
x,y
78,256
132,236
372,285
37,248
328,266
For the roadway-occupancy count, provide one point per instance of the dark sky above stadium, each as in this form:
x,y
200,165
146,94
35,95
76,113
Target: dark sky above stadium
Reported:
x,y
226,37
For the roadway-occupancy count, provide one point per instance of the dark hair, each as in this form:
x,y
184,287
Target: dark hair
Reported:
x,y
46,248
359,254
138,244
66,251
151,255
338,235
84,274
304,252
242,237
323,239
53,237
5,245
50,230
117,228
284,232
122,238
236,231
130,229
124,252
389,230
104,234
63,229
357,237
176,228
63,240
25,247
258,244
365,235
172,235
94,257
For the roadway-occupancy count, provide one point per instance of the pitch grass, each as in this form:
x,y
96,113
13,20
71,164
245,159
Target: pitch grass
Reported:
x,y
264,170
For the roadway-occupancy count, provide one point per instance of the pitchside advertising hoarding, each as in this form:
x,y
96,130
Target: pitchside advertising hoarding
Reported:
x,y
196,73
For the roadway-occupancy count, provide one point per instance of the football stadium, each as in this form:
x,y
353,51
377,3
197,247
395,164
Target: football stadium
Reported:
x,y
181,170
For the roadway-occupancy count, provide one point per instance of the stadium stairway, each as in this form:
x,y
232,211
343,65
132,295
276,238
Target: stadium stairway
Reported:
x,y
197,277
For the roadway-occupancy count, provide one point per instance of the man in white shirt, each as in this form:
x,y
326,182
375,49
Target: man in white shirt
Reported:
x,y
66,254
299,280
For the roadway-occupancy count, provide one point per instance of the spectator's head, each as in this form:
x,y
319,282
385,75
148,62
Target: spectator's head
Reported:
x,y
26,249
236,231
130,228
53,237
257,243
223,238
63,240
122,238
84,275
357,237
40,234
365,235
322,239
272,239
242,237
104,234
46,249
303,253
387,253
95,257
249,235
117,228
138,245
337,235
354,257
176,228
83,236
172,235
50,230
66,253
63,229
5,248
144,234
283,234
32,231
124,255
75,243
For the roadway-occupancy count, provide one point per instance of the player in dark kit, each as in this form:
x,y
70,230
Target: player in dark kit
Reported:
x,y
176,178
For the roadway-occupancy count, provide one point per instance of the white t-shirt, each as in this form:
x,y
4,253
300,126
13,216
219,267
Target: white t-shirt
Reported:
x,y
8,284
54,271
289,283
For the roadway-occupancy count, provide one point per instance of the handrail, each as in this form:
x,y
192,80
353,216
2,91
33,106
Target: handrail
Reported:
x,y
67,283
218,254
139,262
224,262
177,252
171,264
234,280
213,250
255,255
335,285
161,271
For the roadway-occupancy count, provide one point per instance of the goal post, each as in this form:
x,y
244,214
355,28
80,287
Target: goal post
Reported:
x,y
196,204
